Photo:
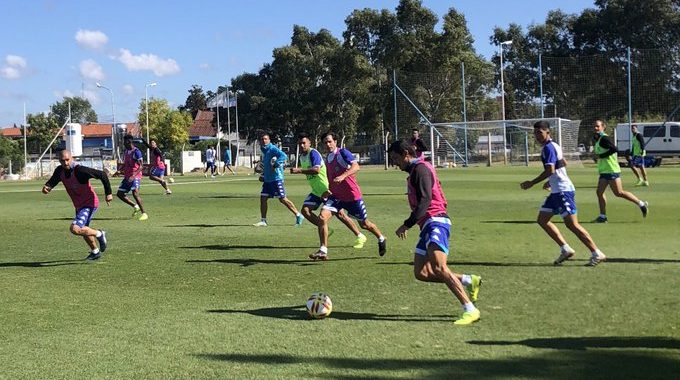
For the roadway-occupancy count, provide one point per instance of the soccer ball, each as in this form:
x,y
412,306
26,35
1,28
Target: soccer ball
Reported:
x,y
171,180
319,305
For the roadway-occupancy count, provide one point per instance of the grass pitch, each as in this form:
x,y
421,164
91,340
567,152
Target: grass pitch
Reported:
x,y
197,292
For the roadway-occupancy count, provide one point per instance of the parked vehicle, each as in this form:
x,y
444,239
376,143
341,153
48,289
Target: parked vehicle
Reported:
x,y
661,139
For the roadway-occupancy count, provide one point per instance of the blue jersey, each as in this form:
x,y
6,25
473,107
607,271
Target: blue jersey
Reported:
x,y
273,160
559,180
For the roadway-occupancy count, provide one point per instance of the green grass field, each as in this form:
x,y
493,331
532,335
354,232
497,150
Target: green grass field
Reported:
x,y
196,292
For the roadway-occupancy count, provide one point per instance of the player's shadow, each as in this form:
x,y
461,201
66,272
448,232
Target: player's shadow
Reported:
x,y
511,221
251,262
231,197
229,247
625,260
585,343
298,313
475,263
205,225
96,218
41,264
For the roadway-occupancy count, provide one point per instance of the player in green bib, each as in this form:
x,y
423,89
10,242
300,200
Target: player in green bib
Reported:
x,y
637,162
610,173
313,167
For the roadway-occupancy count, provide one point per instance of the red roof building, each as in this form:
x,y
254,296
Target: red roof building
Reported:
x,y
202,126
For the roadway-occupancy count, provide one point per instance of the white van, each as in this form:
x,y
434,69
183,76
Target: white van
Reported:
x,y
660,139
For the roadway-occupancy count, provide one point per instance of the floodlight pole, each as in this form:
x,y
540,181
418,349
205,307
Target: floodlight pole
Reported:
x,y
25,150
500,48
113,116
146,105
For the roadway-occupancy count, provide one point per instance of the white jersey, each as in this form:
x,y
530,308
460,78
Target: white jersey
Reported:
x,y
552,155
210,155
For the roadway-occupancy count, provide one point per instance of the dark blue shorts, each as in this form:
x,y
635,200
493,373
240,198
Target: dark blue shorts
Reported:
x,y
313,201
638,161
610,176
435,231
562,204
157,172
273,189
210,165
126,186
84,216
355,209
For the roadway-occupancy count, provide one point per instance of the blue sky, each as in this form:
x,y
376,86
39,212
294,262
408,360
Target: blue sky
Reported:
x,y
51,48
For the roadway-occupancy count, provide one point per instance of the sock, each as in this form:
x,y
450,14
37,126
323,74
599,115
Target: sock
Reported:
x,y
263,220
603,216
566,248
298,215
323,249
466,280
95,251
381,239
136,207
597,252
469,307
641,203
99,233
361,235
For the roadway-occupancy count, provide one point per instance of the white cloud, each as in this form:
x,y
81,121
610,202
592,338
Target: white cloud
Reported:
x,y
89,69
14,67
92,96
15,61
128,89
149,62
62,94
204,66
91,39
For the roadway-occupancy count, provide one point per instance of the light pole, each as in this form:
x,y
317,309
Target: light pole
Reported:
x,y
113,125
146,103
500,48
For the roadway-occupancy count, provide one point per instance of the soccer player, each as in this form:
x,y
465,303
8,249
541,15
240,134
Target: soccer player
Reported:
x,y
428,210
637,163
132,172
345,192
227,161
314,168
273,161
76,180
610,173
561,200
417,142
157,169
210,155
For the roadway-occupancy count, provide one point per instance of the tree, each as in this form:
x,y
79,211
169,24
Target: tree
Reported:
x,y
195,102
10,151
81,111
175,130
158,113
41,130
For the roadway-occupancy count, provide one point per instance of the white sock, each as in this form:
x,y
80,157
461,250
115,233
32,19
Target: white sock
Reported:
x,y
603,216
95,251
641,203
566,248
323,249
381,239
360,235
597,252
263,220
99,233
466,280
298,214
136,207
469,307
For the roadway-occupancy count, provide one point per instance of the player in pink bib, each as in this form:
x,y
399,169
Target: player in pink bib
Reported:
x,y
157,169
76,180
132,172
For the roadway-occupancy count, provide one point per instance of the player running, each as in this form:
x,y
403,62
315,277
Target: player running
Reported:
x,y
610,173
273,161
157,169
561,200
132,172
428,210
210,155
314,168
345,193
76,180
638,153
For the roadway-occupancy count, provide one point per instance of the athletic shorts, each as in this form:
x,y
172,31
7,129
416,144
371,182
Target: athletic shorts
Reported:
x,y
562,204
313,201
84,216
610,176
126,186
355,209
436,230
210,165
157,172
273,189
638,161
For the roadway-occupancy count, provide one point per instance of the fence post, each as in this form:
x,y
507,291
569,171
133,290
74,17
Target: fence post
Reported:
x,y
526,149
394,94
387,156
630,100
540,85
462,69
488,146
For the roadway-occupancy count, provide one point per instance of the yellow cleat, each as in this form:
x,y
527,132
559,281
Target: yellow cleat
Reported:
x,y
360,241
468,318
136,212
144,216
473,288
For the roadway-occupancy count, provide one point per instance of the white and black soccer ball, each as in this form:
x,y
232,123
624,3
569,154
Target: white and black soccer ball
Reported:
x,y
319,305
171,180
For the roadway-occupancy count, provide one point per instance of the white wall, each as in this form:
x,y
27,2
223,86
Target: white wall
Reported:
x,y
191,159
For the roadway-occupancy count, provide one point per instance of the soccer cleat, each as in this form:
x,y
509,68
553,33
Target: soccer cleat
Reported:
x,y
600,219
473,288
564,256
319,255
645,183
260,224
212,176
102,241
468,318
382,247
644,209
639,183
205,175
360,241
93,256
595,259
168,192
144,216
136,212
298,220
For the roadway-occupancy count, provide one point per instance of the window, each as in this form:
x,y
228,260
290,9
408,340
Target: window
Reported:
x,y
675,130
654,131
